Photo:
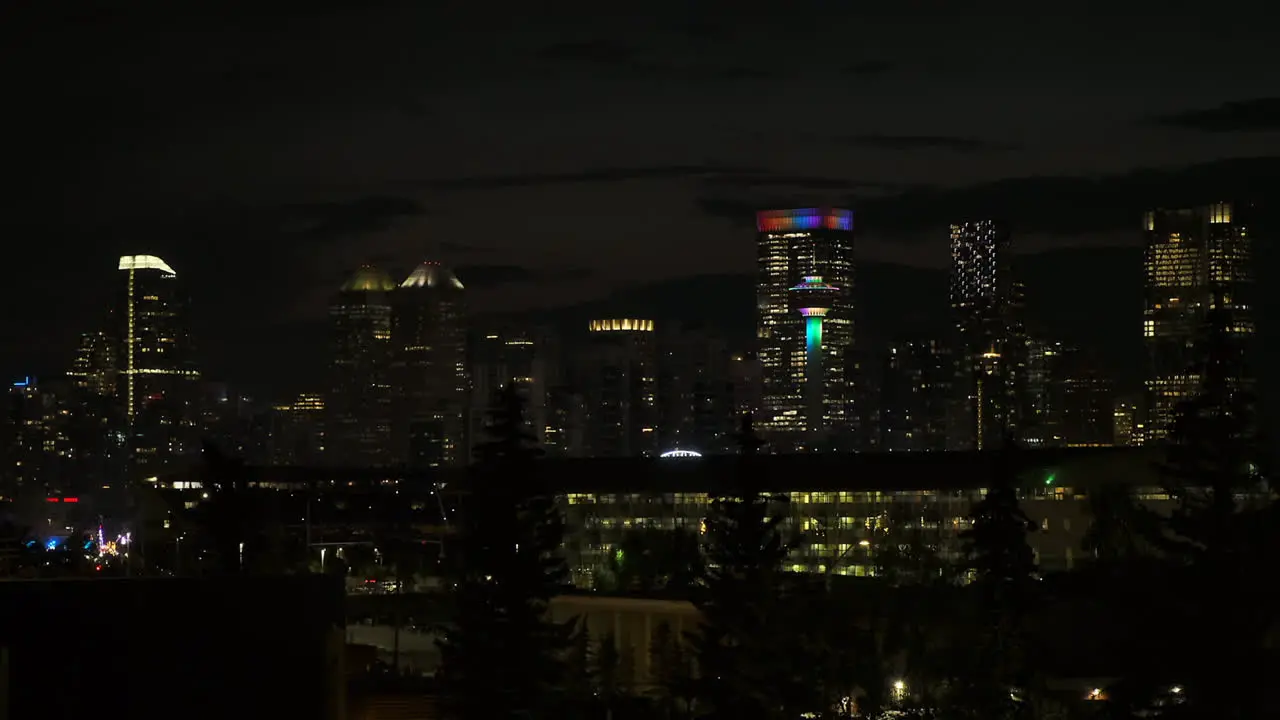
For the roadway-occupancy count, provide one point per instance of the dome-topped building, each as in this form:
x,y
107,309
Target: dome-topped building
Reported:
x,y
358,403
429,368
432,275
369,278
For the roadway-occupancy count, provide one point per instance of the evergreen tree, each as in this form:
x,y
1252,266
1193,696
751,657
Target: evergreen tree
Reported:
x,y
1003,571
654,560
671,670
579,682
610,670
743,670
502,656
1221,534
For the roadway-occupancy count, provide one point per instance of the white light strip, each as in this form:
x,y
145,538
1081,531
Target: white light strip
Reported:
x,y
144,262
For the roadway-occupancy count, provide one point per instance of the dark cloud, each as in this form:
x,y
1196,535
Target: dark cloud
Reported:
x,y
743,73
484,277
333,221
449,247
592,52
1061,206
600,175
1073,205
803,182
924,142
1236,116
868,68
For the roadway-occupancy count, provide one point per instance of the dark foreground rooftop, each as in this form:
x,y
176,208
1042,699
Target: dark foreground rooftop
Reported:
x,y
1071,467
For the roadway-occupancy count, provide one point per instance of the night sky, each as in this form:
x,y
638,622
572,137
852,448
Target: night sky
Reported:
x,y
556,158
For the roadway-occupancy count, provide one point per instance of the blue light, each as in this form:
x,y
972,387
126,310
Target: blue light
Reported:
x,y
813,333
24,382
52,544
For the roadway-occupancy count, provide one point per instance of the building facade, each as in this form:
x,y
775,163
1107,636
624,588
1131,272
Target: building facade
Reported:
x,y
511,356
1194,258
915,392
989,348
619,386
429,369
695,392
790,246
158,384
358,405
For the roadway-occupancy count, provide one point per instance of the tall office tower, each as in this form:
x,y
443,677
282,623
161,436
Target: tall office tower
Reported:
x,y
915,392
619,382
1087,401
748,385
1127,431
984,305
358,406
297,431
1194,258
96,364
234,423
1041,424
26,439
506,357
93,418
429,369
790,246
695,392
158,386
566,428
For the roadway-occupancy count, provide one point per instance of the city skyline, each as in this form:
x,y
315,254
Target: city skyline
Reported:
x,y
519,163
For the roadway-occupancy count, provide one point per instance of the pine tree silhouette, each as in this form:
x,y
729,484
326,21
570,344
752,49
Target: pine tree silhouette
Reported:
x,y
501,655
743,672
1221,533
1004,577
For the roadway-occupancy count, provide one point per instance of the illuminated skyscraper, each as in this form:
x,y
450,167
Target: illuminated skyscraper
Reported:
x,y
358,406
429,369
158,384
619,381
791,246
1192,256
988,357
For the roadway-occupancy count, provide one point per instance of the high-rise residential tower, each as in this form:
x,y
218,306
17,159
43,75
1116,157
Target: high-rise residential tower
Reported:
x,y
984,304
429,369
158,383
357,409
790,246
1194,258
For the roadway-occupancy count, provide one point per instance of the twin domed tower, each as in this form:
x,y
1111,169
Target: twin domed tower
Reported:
x,y
397,393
